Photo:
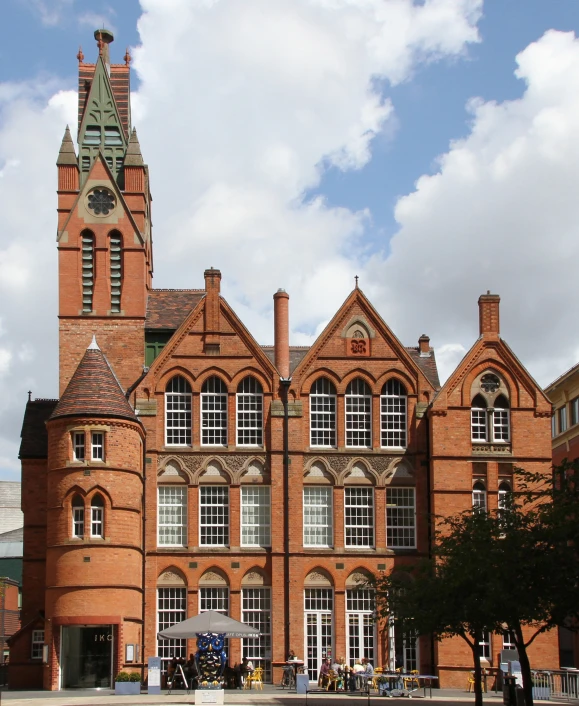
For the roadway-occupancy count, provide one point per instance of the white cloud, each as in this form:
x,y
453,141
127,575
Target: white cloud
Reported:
x,y
50,12
502,214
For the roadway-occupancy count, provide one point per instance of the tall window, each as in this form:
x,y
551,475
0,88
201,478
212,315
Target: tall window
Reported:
x,y
214,413
97,446
323,413
78,445
360,606
77,517
37,644
359,516
479,496
393,414
87,270
256,611
171,609
178,412
509,640
562,419
317,516
490,424
358,414
504,491
97,516
574,405
484,646
400,518
249,413
116,271
255,516
172,516
213,515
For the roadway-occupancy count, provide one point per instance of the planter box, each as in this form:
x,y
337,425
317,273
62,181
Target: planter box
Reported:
x,y
127,688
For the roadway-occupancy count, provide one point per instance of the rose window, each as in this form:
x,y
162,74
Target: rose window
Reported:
x,y
101,202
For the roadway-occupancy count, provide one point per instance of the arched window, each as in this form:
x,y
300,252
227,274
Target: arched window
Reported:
x,y
77,517
358,414
323,413
97,516
249,413
87,270
116,261
504,492
214,412
393,414
479,496
178,412
501,426
478,419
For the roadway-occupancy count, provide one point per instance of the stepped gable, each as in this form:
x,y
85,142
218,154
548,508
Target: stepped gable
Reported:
x,y
427,364
94,391
168,308
34,437
297,353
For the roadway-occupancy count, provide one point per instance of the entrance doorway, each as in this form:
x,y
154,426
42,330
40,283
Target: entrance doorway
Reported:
x,y
87,656
402,648
319,608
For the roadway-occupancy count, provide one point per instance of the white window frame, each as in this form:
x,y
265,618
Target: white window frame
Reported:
x,y
79,445
358,411
249,412
37,643
358,516
213,408
478,424
255,516
214,517
323,406
97,520
171,609
361,625
256,611
214,598
479,496
501,425
508,640
400,506
574,409
484,646
503,493
562,419
97,446
78,516
315,529
178,417
394,415
164,494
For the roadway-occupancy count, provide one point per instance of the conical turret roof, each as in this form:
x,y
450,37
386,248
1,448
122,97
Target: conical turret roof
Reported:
x,y
133,157
67,155
94,391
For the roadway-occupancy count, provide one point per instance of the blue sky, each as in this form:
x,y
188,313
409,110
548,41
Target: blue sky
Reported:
x,y
429,146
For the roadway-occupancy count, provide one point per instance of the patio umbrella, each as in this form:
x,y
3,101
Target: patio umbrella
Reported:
x,y
210,621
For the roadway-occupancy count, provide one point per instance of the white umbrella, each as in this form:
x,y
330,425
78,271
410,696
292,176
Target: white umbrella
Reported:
x,y
209,621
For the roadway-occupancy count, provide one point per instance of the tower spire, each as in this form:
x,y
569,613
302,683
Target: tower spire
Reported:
x,y
67,155
134,158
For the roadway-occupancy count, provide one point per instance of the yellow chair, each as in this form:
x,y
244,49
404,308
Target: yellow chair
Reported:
x,y
376,678
257,678
332,680
471,682
411,682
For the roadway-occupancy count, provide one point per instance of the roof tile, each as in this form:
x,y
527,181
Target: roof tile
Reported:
x,y
168,308
34,443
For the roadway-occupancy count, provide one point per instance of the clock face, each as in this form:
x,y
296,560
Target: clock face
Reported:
x,y
490,383
101,202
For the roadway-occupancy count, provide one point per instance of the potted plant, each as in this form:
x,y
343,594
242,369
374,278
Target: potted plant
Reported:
x,y
128,684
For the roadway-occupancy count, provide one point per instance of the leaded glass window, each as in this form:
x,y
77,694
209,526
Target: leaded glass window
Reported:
x,y
178,412
358,414
323,413
249,413
393,414
214,412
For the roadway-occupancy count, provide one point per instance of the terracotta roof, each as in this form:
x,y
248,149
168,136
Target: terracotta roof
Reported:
x,y
297,353
427,364
168,308
94,390
34,436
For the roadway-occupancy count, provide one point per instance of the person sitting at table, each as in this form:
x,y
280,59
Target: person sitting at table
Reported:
x,y
238,677
246,669
368,668
191,671
358,669
324,673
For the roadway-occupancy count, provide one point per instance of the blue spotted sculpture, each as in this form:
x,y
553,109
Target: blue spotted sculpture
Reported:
x,y
211,659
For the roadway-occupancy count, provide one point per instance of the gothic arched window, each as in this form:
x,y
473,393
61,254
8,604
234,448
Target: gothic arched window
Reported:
x,y
393,414
178,412
249,412
214,412
323,413
358,414
78,517
97,516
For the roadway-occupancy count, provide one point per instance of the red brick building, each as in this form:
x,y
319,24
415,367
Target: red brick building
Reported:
x,y
186,467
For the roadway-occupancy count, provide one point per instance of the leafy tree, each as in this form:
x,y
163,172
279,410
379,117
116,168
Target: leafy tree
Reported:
x,y
513,569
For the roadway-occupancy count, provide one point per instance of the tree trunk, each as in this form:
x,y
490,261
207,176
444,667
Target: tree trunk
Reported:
x,y
478,694
525,665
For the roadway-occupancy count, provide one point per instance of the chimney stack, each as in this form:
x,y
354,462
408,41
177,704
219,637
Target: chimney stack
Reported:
x,y
488,314
212,323
281,332
424,346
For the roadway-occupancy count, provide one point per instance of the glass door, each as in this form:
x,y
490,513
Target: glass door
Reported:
x,y
87,656
402,649
319,606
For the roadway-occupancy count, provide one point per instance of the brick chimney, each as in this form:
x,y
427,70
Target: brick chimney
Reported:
x,y
488,314
281,332
424,346
212,322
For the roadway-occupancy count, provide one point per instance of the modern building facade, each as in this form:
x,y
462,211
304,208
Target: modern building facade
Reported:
x,y
185,467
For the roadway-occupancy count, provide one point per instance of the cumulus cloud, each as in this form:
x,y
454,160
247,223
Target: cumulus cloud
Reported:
x,y
501,213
